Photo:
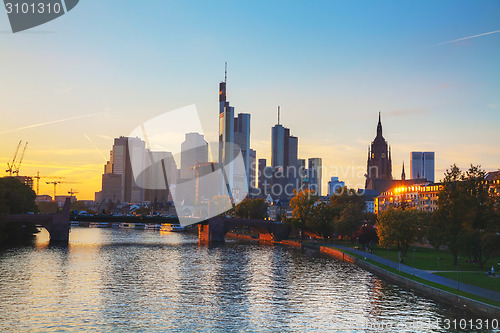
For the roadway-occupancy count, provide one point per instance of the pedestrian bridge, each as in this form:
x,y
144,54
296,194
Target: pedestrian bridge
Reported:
x,y
215,229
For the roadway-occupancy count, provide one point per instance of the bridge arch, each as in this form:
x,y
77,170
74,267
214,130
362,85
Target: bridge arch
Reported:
x,y
57,224
215,229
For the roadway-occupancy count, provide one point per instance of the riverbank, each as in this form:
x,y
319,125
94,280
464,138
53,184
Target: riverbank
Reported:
x,y
432,290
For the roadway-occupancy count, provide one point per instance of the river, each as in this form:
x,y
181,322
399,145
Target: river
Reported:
x,y
113,280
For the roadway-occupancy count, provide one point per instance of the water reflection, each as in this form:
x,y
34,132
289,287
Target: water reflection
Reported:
x,y
129,280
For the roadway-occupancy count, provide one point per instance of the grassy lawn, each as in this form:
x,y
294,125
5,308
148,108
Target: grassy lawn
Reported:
x,y
436,285
476,278
427,259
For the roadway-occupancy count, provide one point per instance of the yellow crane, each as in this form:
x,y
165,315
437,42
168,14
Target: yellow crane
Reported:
x,y
71,192
59,182
38,177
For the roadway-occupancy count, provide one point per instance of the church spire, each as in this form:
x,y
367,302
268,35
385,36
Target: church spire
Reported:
x,y
403,176
379,126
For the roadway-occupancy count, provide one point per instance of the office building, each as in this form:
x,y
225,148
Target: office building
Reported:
x,y
194,149
422,165
142,179
253,169
334,184
234,134
284,161
315,167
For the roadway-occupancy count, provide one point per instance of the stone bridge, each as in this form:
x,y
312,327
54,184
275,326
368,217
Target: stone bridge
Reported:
x,y
57,224
215,229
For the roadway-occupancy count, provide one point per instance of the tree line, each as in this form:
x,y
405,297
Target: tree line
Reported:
x,y
342,216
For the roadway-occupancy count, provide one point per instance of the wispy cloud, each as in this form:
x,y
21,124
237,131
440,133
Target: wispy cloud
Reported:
x,y
95,147
51,122
469,37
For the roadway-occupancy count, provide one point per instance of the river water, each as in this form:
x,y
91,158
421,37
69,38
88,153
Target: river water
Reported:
x,y
113,280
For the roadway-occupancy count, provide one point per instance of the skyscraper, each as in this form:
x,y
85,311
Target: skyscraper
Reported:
x,y
234,135
284,151
193,149
242,140
379,164
265,178
253,169
118,180
301,171
422,165
315,167
226,125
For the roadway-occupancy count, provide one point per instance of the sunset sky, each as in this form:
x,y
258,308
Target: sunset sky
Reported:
x,y
431,67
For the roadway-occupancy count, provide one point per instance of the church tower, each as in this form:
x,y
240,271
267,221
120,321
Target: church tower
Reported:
x,y
379,164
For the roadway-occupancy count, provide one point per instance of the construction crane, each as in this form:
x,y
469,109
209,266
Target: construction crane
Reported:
x,y
59,182
38,177
16,171
71,192
11,165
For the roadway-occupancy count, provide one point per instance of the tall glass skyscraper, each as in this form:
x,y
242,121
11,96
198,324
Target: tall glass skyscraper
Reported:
x,y
234,135
315,167
284,151
422,165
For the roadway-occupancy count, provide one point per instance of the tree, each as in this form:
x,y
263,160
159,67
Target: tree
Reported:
x,y
142,211
366,235
79,206
15,197
350,220
399,228
464,208
302,204
221,205
252,209
348,210
322,220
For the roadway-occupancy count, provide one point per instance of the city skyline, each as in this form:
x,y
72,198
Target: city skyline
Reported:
x,y
430,70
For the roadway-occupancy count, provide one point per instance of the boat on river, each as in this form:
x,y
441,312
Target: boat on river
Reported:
x,y
140,226
172,227
152,227
99,225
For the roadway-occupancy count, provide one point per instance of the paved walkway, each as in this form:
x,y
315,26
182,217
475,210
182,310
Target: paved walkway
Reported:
x,y
486,293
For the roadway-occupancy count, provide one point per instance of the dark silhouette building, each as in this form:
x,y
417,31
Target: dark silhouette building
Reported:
x,y
379,164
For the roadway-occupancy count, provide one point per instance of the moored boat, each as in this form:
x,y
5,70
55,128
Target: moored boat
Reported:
x,y
99,225
172,227
153,226
140,226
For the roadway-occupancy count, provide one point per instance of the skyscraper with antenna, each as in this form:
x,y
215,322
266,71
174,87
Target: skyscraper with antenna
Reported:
x,y
284,151
226,124
234,134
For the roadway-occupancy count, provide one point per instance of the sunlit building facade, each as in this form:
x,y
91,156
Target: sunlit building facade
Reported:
x,y
422,197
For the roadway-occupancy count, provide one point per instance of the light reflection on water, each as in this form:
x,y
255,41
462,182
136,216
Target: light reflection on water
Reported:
x,y
130,280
